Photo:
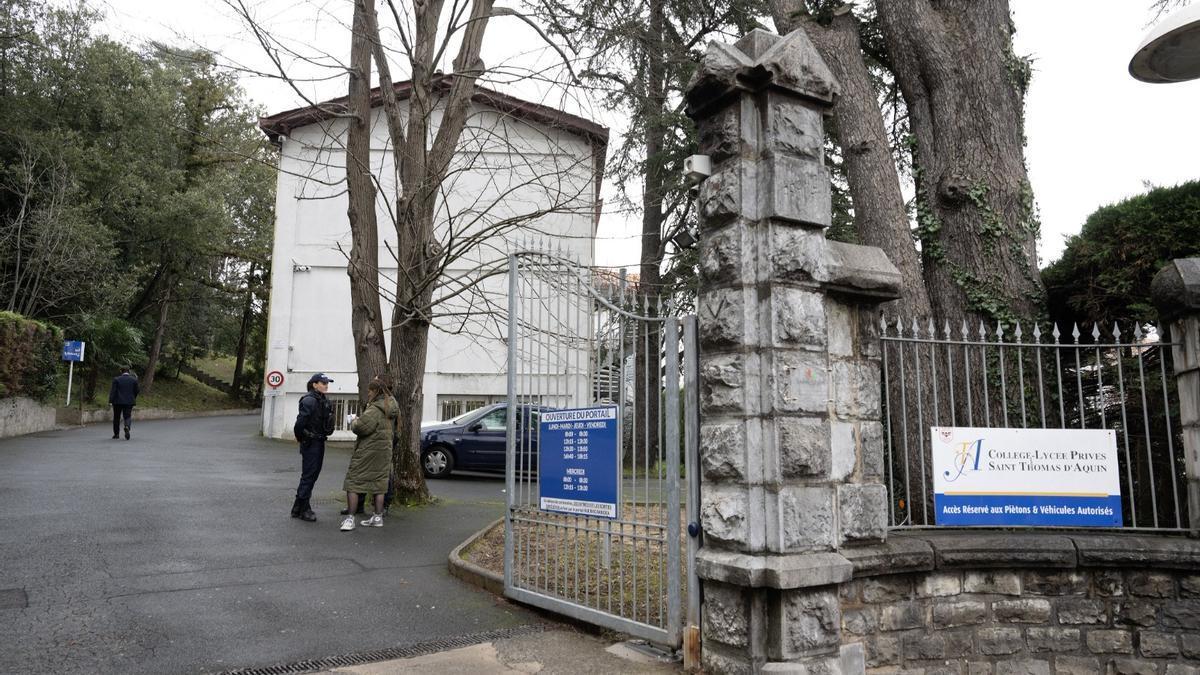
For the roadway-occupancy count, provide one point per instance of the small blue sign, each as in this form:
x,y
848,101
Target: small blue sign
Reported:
x,y
72,350
579,463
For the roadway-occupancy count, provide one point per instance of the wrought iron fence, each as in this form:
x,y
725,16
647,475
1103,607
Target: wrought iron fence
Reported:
x,y
1020,376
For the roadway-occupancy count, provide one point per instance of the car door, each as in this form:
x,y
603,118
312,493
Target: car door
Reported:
x,y
485,440
528,455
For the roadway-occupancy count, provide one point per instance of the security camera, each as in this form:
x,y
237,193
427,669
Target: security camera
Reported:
x,y
696,168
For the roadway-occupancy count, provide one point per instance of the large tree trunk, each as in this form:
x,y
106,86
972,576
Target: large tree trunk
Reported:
x,y
880,218
409,342
647,361
366,322
156,348
964,89
244,334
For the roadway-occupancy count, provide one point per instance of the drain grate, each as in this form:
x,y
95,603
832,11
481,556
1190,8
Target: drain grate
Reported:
x,y
13,598
420,649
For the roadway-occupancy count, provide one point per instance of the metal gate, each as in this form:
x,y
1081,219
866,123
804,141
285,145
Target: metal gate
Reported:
x,y
1014,376
582,337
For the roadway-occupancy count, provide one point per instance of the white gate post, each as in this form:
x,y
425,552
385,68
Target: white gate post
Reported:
x,y
1176,292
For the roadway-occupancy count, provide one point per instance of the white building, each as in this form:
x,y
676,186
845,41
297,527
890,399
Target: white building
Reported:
x,y
517,158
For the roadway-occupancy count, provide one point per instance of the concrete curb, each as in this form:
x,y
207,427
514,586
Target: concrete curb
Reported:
x,y
470,572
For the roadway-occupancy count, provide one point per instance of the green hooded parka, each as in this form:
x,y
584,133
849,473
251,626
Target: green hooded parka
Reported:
x,y
371,463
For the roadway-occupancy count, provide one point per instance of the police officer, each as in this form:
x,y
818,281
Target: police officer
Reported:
x,y
313,425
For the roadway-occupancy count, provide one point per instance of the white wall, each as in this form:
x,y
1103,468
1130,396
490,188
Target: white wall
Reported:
x,y
506,169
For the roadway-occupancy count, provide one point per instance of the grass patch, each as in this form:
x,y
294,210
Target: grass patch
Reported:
x,y
657,470
219,366
623,572
182,393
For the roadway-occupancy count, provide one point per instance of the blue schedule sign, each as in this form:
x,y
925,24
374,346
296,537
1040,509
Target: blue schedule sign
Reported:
x,y
73,350
579,466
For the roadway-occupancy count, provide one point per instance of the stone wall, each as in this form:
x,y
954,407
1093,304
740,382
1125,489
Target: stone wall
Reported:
x,y
1009,604
20,416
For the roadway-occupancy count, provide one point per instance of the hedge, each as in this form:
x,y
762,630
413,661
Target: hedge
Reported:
x,y
29,354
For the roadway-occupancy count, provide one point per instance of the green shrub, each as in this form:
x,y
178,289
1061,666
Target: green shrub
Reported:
x,y
1104,274
29,355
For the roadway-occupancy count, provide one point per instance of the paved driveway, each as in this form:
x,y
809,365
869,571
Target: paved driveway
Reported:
x,y
174,552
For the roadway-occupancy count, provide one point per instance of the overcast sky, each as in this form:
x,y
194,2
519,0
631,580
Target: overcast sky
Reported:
x,y
1095,134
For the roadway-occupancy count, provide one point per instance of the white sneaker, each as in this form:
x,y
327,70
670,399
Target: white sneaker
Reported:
x,y
374,521
347,523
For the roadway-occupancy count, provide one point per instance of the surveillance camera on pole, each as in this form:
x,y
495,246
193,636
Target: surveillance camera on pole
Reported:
x,y
696,168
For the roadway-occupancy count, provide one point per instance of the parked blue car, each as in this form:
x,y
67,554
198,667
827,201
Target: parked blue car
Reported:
x,y
478,441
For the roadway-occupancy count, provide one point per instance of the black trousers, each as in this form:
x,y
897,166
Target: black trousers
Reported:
x,y
119,412
312,454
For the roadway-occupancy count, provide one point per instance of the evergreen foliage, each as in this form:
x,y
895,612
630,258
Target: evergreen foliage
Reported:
x,y
29,354
1105,272
135,187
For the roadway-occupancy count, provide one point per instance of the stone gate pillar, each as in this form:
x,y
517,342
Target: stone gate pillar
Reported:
x,y
1176,293
791,439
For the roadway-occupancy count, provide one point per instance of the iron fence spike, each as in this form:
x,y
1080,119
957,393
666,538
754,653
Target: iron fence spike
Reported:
x,y
1137,331
946,328
916,328
964,329
1075,332
1037,332
1096,331
1017,332
1116,331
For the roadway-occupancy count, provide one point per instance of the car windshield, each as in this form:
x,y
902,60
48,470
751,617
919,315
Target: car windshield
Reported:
x,y
464,417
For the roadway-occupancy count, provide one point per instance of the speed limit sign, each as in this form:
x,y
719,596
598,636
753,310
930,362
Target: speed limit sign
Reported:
x,y
275,379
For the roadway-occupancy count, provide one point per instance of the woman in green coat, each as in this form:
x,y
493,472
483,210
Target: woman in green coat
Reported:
x,y
371,463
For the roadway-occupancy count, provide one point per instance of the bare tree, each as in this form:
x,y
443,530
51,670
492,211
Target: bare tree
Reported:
x,y
49,257
465,167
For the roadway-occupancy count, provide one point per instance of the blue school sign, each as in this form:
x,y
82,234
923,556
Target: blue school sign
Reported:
x,y
579,466
72,350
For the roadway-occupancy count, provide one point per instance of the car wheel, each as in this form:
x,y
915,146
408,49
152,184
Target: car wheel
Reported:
x,y
437,462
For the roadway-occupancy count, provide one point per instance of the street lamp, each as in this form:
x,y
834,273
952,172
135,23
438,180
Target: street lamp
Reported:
x,y
1171,51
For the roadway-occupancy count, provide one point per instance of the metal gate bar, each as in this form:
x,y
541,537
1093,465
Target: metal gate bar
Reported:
x,y
576,339
920,377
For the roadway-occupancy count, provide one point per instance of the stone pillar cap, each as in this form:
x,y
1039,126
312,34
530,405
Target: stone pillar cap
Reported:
x,y
1176,288
759,60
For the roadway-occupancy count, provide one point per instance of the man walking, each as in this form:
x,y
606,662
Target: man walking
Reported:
x,y
313,426
121,396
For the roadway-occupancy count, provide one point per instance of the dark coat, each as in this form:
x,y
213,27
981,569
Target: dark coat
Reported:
x,y
315,420
124,390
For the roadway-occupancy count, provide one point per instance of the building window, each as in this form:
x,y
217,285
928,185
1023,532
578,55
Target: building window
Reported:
x,y
342,406
453,405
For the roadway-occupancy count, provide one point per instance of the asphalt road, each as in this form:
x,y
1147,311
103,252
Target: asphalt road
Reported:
x,y
174,553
